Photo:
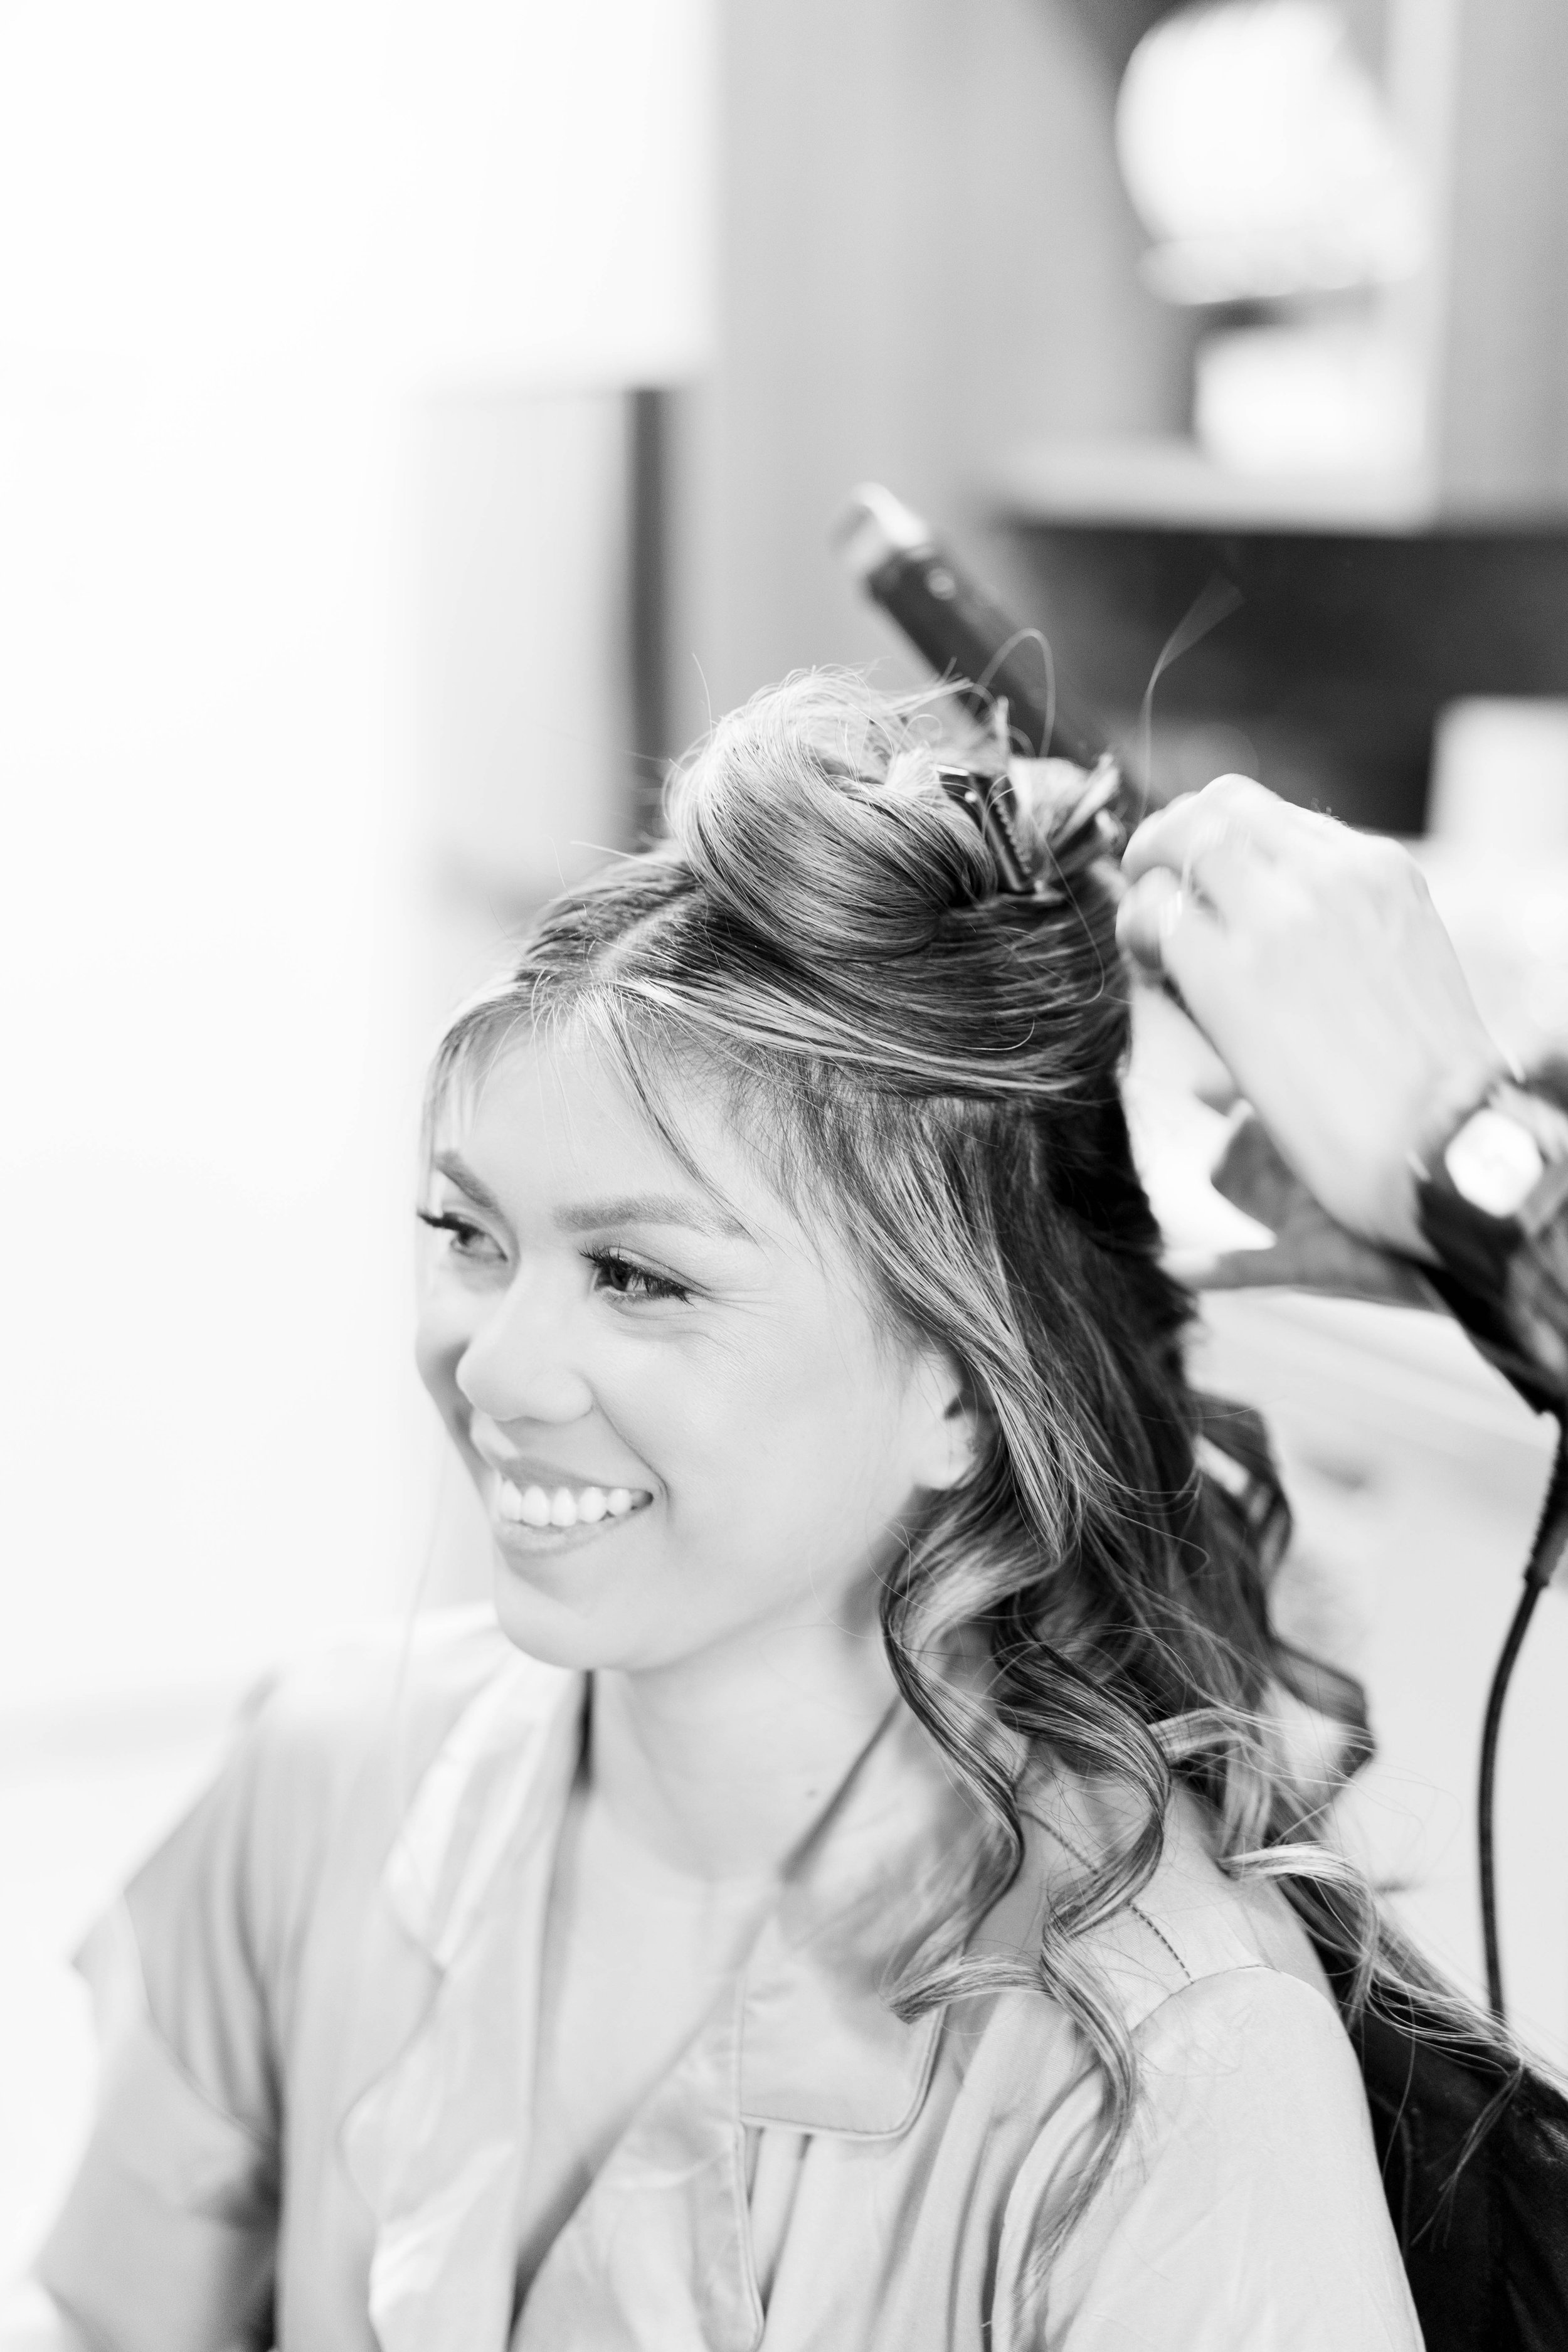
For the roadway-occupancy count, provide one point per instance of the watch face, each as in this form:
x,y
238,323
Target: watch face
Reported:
x,y
1494,1164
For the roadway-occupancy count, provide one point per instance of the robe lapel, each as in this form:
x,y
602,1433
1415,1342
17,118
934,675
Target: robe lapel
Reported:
x,y
436,2144
658,2257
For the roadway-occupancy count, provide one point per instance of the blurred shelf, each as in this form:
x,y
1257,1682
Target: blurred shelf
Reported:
x,y
1149,483
1357,625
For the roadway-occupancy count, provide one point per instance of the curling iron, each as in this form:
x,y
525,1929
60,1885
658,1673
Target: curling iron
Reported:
x,y
987,657
960,629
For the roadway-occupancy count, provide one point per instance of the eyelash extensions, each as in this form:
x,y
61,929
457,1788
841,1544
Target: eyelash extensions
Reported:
x,y
657,1287
660,1286
445,1221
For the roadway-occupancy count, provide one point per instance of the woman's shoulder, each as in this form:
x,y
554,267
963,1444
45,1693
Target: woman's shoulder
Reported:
x,y
1191,1924
1250,2114
402,1684
1250,2156
326,1758
1201,1972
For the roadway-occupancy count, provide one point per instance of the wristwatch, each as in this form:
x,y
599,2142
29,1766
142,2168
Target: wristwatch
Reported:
x,y
1497,1178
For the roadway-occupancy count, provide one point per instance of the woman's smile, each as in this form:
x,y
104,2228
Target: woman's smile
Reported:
x,y
539,1505
605,1332
534,1516
563,1508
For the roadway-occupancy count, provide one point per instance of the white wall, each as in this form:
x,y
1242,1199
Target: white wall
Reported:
x,y
276,286
246,257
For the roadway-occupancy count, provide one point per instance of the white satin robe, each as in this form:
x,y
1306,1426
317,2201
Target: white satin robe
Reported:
x,y
318,2000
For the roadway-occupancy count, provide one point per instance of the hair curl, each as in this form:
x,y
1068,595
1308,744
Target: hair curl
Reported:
x,y
939,1066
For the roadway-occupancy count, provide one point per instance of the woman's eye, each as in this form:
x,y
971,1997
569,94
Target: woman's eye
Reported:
x,y
467,1240
624,1278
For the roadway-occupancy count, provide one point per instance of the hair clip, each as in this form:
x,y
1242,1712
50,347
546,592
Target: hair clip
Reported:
x,y
988,797
1095,806
1080,829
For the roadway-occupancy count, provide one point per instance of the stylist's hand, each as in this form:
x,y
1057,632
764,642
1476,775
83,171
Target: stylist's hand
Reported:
x,y
1314,961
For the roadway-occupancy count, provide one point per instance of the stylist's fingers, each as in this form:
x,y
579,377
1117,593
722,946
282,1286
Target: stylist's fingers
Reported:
x,y
1232,819
1165,927
1148,906
1210,861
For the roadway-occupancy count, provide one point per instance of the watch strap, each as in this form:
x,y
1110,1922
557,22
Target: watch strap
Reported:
x,y
1475,1244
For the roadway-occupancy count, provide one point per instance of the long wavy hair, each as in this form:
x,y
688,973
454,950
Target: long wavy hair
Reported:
x,y
937,1066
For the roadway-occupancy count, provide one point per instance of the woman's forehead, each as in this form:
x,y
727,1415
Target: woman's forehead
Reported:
x,y
611,1126
559,1105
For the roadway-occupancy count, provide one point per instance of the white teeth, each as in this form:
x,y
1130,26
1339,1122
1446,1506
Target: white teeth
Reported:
x,y
542,1506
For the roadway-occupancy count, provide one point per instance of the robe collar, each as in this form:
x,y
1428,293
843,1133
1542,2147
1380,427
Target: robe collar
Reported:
x,y
436,2144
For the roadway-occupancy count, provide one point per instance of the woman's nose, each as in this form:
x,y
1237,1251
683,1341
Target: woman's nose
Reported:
x,y
517,1366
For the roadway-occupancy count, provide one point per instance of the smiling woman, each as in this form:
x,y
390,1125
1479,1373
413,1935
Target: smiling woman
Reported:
x,y
855,1887
684,1418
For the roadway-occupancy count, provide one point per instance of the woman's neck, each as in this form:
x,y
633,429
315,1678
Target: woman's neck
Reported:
x,y
721,1765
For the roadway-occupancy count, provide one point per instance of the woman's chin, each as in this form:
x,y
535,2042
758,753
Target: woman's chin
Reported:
x,y
539,1613
550,1606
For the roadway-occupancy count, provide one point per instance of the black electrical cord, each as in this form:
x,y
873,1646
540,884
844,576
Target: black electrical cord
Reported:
x,y
1550,1534
1499,1691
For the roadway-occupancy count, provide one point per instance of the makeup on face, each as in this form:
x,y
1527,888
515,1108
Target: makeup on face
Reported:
x,y
678,1404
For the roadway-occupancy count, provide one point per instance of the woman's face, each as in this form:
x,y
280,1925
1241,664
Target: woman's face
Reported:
x,y
686,1424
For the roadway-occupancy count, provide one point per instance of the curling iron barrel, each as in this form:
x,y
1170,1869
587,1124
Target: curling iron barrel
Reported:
x,y
952,621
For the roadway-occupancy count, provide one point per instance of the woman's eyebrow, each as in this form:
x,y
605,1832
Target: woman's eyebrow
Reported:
x,y
452,1164
649,1209
593,1217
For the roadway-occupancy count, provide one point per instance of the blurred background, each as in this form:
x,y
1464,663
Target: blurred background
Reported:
x,y
412,425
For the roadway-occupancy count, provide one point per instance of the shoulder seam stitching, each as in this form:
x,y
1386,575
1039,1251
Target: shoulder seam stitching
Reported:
x,y
1138,1913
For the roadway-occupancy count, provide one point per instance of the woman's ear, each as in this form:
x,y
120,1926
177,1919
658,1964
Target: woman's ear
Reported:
x,y
954,1423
